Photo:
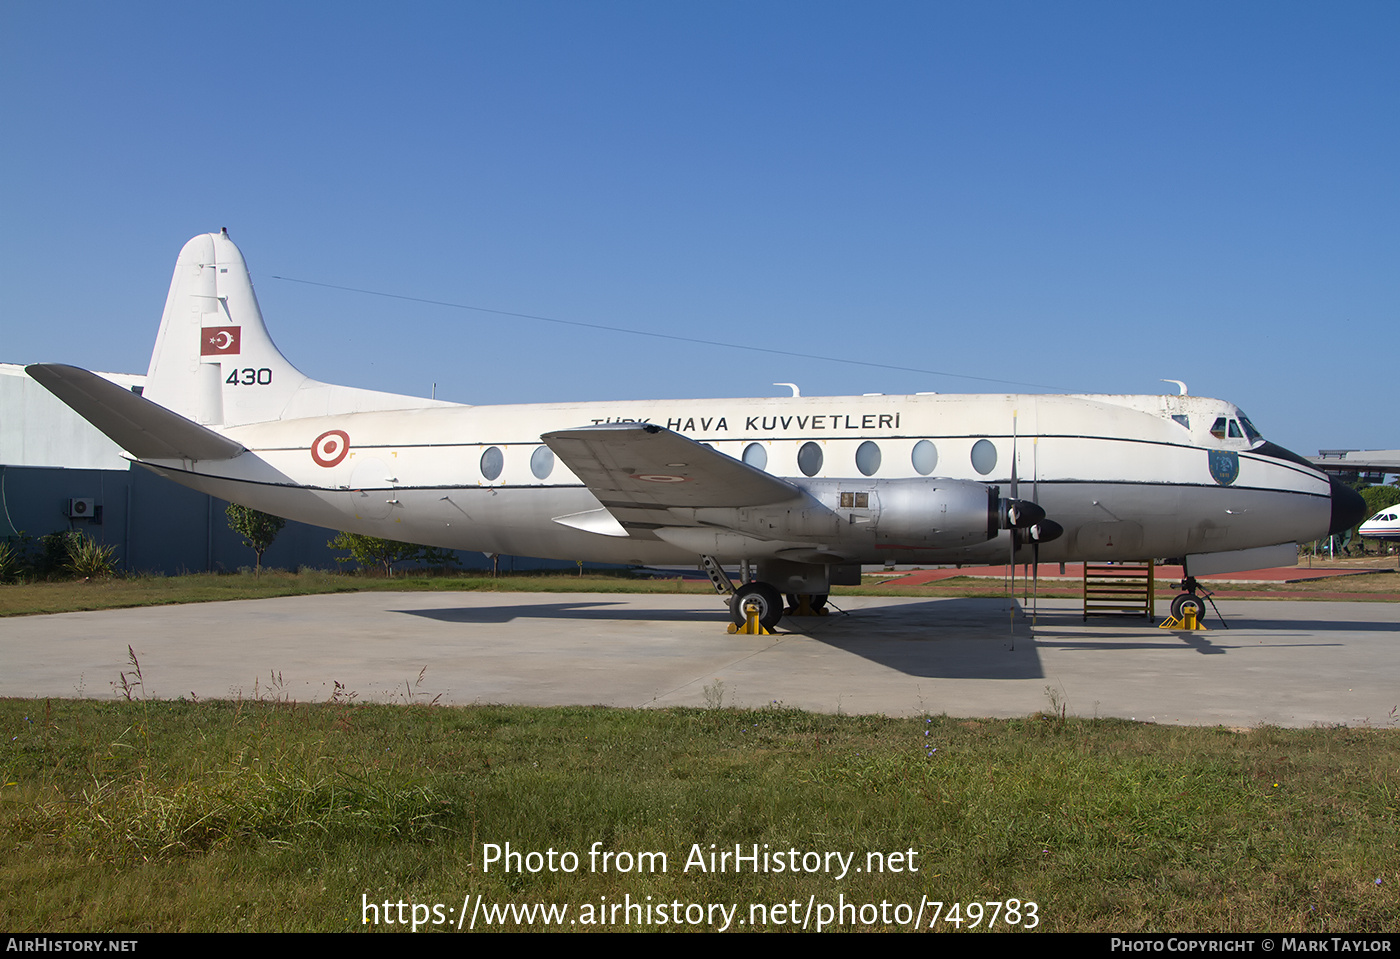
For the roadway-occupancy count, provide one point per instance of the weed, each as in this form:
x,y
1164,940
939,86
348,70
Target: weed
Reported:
x,y
130,685
341,696
274,692
1058,706
414,695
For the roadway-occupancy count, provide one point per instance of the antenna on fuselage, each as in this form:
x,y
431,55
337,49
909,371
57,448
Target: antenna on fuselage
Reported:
x,y
1179,385
791,386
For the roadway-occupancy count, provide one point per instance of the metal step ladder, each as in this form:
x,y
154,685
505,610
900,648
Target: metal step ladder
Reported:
x,y
1119,589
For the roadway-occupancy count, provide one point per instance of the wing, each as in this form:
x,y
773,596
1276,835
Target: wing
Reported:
x,y
641,472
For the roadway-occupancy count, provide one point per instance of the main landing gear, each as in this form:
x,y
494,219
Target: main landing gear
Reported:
x,y
806,604
766,600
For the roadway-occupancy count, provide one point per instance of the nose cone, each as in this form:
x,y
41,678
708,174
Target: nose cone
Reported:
x,y
1348,508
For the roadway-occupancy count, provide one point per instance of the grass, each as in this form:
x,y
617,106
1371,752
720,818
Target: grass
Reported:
x,y
270,815
21,599
263,815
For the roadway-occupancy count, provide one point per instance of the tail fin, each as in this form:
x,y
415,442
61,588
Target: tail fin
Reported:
x,y
214,361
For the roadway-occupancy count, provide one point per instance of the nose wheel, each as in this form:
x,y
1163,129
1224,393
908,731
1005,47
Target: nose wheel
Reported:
x,y
1185,603
1188,608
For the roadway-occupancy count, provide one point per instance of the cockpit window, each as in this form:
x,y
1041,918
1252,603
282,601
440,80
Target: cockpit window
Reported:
x,y
1235,432
1249,430
1217,429
1182,420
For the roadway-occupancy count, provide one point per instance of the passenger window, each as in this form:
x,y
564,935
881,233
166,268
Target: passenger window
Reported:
x,y
984,456
492,462
756,456
809,459
925,457
542,462
868,458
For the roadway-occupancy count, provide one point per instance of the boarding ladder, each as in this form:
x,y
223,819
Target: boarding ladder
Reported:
x,y
1112,589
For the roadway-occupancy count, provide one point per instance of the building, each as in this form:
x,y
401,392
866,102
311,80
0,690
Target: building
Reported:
x,y
58,472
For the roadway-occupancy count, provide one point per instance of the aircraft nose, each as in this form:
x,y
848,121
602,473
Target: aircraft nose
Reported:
x,y
1348,508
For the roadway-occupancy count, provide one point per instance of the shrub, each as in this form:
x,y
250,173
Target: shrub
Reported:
x,y
372,551
9,563
90,559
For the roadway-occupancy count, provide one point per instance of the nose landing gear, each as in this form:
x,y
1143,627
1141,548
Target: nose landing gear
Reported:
x,y
1188,609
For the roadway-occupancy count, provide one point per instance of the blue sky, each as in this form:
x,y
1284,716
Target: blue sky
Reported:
x,y
1083,196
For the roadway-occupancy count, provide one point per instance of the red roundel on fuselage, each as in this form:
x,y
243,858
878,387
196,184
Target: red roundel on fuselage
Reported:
x,y
330,447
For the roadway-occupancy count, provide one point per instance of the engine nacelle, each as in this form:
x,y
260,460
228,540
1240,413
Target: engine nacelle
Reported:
x,y
914,513
927,513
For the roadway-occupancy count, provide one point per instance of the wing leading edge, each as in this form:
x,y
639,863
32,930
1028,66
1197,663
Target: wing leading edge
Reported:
x,y
641,473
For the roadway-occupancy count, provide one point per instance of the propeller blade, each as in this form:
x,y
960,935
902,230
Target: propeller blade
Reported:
x,y
1035,580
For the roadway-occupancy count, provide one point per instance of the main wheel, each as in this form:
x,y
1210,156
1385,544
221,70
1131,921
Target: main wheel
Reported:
x,y
769,600
815,601
1185,602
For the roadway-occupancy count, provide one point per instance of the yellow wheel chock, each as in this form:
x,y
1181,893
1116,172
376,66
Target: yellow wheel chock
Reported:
x,y
1188,622
751,627
805,606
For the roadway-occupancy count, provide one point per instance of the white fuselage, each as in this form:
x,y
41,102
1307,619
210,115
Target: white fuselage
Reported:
x,y
1384,525
1123,477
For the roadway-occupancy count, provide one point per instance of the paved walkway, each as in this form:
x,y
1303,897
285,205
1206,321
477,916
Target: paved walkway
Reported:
x,y
1281,662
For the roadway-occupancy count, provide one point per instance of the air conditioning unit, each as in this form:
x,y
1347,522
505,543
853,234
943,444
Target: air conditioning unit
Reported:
x,y
83,508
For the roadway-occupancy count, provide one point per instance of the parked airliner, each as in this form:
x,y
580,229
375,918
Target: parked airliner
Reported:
x,y
1384,525
805,489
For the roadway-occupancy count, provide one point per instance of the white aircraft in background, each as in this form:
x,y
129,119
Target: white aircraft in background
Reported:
x,y
804,488
1384,525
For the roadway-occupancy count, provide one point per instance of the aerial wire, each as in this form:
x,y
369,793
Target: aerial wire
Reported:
x,y
670,336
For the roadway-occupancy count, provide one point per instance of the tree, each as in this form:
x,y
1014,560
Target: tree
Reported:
x,y
258,529
1379,497
373,551
439,559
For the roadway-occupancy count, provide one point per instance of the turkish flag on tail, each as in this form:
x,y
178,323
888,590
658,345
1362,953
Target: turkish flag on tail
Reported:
x,y
217,340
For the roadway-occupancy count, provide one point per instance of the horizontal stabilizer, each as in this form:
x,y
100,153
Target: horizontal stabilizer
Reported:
x,y
146,430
